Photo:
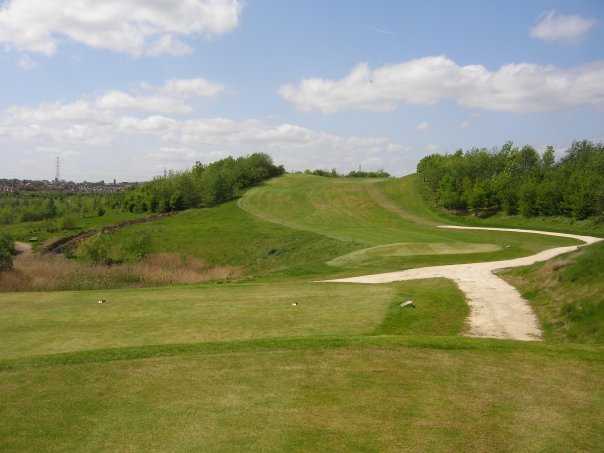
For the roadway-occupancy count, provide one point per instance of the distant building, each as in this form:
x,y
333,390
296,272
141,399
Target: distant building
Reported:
x,y
16,185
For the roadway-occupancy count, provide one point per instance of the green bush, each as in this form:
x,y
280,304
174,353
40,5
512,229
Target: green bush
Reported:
x,y
139,246
98,249
68,222
7,250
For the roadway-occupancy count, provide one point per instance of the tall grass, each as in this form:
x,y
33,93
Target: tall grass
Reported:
x,y
55,272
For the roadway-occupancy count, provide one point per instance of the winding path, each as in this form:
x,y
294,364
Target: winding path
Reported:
x,y
497,310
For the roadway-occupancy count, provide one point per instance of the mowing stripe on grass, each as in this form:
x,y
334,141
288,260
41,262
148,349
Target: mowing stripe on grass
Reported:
x,y
582,352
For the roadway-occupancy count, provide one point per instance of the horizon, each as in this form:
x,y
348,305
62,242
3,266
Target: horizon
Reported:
x,y
126,91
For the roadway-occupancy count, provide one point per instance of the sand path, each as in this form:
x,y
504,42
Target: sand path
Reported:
x,y
497,310
23,248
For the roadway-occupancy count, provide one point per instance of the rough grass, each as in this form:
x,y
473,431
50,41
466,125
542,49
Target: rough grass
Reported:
x,y
26,230
228,236
55,272
319,395
567,293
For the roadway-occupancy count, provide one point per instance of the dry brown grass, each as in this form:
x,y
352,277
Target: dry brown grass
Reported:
x,y
55,272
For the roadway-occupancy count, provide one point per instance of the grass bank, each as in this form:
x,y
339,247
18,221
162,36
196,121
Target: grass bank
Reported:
x,y
567,293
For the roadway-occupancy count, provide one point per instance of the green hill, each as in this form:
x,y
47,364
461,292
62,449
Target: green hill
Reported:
x,y
275,362
300,225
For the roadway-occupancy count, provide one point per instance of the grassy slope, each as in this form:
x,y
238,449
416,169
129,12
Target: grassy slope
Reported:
x,y
26,230
567,293
374,213
294,225
227,235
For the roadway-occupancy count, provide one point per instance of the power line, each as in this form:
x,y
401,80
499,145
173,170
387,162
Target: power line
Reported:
x,y
58,170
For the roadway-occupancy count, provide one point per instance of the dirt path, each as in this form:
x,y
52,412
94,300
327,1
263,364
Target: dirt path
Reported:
x,y
61,244
497,310
23,248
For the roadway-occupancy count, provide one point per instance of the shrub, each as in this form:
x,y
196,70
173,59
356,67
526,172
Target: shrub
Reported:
x,y
7,250
139,246
98,249
68,222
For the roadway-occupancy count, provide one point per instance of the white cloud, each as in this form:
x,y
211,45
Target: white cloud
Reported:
x,y
553,26
26,63
522,87
423,126
167,99
104,128
118,100
136,27
192,87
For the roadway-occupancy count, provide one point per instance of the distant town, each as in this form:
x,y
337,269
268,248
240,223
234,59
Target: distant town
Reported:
x,y
22,185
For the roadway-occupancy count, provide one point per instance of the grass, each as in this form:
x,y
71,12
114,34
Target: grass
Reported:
x,y
411,249
236,366
55,272
26,230
444,314
567,294
364,394
299,226
228,236
53,322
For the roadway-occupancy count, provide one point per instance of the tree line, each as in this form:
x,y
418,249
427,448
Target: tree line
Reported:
x,y
517,180
204,185
37,206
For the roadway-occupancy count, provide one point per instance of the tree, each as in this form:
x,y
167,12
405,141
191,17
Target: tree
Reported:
x,y
7,251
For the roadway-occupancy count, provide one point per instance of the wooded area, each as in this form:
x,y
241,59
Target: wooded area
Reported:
x,y
203,185
518,181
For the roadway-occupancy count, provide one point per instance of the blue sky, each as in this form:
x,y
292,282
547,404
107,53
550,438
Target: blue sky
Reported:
x,y
93,85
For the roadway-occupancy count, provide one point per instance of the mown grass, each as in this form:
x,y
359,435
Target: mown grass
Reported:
x,y
237,367
567,293
315,394
52,322
373,213
444,314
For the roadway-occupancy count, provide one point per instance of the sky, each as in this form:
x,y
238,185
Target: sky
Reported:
x,y
123,89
